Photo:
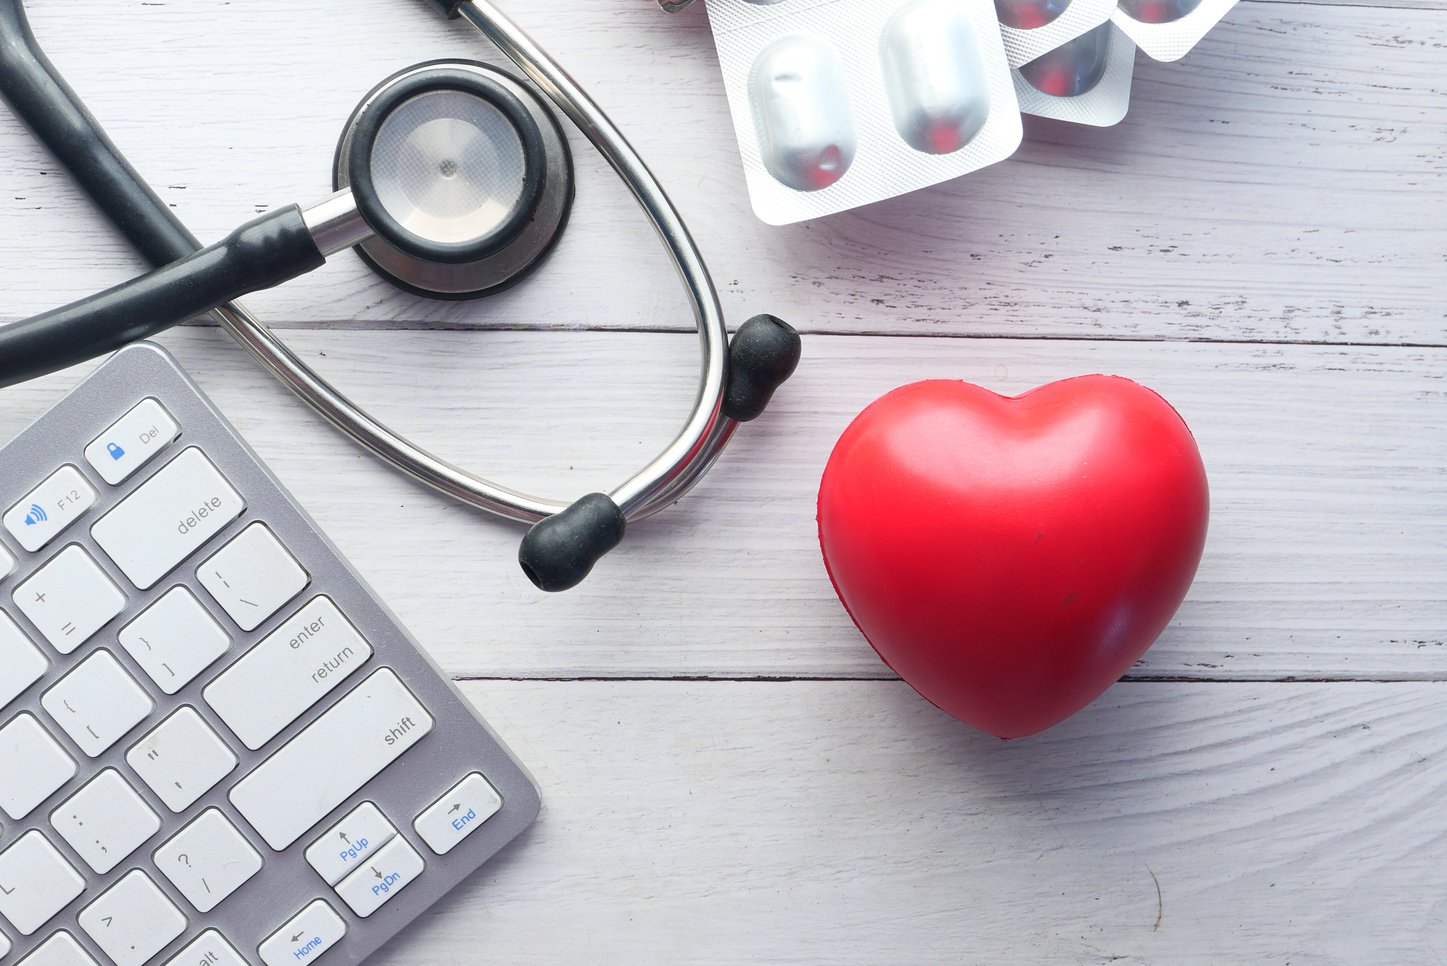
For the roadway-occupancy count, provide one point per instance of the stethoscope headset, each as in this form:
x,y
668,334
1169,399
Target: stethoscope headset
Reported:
x,y
453,180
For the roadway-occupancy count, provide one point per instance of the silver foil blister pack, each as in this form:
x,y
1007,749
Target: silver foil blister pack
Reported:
x,y
1086,80
1033,27
1168,29
840,103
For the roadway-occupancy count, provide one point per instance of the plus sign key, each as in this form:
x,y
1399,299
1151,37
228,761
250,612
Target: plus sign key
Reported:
x,y
69,599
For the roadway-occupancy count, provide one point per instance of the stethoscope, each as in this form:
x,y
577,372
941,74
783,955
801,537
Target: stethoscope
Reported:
x,y
453,181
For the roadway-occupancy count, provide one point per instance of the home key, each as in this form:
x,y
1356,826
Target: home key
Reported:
x,y
217,747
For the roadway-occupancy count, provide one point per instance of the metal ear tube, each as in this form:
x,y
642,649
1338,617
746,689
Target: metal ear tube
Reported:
x,y
560,551
587,531
453,180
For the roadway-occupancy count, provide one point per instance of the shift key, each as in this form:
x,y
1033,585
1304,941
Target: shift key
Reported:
x,y
168,518
293,668
331,759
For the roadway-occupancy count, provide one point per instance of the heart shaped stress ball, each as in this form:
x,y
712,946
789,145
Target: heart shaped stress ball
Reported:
x,y
1012,557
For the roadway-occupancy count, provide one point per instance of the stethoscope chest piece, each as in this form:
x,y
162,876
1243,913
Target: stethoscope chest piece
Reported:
x,y
463,174
452,180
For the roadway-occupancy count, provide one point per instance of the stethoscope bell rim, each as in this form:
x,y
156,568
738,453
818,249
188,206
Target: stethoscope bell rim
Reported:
x,y
513,248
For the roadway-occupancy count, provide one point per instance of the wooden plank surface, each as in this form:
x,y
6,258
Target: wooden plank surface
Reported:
x,y
1284,183
1326,557
737,778
808,823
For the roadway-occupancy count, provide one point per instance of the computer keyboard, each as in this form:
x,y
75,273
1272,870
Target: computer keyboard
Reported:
x,y
217,747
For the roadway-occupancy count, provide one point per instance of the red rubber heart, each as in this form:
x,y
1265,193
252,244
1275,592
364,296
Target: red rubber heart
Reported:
x,y
1012,557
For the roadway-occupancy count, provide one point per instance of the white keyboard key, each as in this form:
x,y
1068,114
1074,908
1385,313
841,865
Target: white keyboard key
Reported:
x,y
174,640
4,945
69,599
21,663
349,843
293,668
458,814
168,518
252,576
395,867
133,920
97,703
208,860
337,754
305,937
209,949
33,766
181,760
7,564
59,950
131,441
105,821
35,882
48,509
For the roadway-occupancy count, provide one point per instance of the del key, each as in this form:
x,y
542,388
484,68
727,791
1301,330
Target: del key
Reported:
x,y
168,518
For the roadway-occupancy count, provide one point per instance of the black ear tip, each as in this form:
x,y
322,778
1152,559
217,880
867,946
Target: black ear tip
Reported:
x,y
560,551
763,354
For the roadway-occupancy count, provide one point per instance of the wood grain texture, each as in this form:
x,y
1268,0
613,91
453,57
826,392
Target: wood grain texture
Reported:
x,y
807,823
1284,183
1326,557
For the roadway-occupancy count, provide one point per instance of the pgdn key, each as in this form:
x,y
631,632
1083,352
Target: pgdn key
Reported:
x,y
391,870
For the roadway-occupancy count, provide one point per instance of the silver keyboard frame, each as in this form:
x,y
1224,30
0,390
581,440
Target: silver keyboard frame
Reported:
x,y
460,742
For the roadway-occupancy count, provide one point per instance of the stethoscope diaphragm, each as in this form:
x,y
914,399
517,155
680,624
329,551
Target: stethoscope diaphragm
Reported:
x,y
463,175
453,180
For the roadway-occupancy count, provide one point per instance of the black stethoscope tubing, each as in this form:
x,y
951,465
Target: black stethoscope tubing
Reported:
x,y
566,540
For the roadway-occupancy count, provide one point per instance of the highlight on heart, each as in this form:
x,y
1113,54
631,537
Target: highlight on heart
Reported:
x,y
1010,557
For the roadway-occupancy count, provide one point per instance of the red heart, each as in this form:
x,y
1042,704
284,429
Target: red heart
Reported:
x,y
1012,557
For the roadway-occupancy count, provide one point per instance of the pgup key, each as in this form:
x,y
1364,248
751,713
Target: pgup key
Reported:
x,y
349,843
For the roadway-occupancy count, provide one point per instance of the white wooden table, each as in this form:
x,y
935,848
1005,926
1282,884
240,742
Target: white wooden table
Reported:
x,y
729,773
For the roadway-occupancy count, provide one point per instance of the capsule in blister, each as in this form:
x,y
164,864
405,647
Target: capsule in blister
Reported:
x,y
935,76
1071,69
1029,14
1158,11
801,107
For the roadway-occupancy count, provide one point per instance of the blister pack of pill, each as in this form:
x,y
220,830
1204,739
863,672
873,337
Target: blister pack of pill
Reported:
x,y
1086,80
1034,27
841,103
1168,29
